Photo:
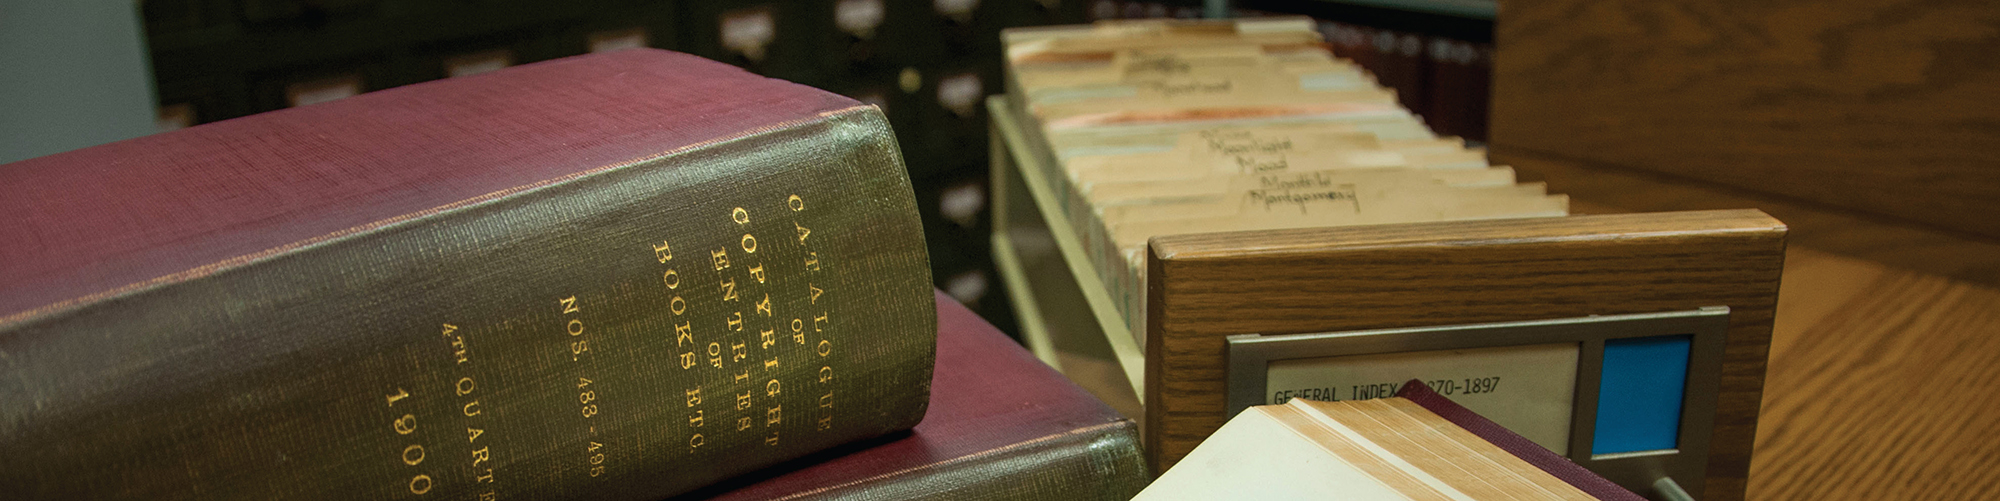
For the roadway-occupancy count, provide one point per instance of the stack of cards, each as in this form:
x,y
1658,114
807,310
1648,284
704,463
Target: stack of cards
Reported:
x,y
1167,127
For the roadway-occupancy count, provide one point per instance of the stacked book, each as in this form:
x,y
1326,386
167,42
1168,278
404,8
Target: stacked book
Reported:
x,y
1168,127
628,275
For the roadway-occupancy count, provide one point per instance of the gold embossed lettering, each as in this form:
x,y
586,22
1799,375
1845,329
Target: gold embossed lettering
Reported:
x,y
457,343
757,272
739,215
720,257
664,252
458,349
569,305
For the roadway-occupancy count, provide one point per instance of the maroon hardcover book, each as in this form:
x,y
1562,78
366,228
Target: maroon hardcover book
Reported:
x,y
614,276
1001,425
1459,75
1558,466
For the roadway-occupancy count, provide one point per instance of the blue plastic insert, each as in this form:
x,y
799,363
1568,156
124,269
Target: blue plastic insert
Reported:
x,y
1639,396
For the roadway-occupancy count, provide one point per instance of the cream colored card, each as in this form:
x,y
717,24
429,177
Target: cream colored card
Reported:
x,y
1212,96
1340,206
1125,71
1032,45
1279,155
1124,201
1386,123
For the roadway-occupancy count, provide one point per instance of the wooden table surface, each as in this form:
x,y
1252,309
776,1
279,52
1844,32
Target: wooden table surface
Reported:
x,y
1884,378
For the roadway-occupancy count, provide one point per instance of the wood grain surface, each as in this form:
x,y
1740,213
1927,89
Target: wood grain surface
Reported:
x,y
1889,108
1884,384
1205,287
1880,383
1602,189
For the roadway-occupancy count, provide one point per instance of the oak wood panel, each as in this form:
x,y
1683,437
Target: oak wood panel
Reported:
x,y
1817,285
1600,189
1204,287
1884,107
1891,389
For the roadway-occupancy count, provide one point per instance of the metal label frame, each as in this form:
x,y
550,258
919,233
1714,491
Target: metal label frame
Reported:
x,y
1249,357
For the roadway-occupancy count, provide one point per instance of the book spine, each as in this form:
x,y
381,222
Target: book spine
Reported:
x,y
632,332
1096,463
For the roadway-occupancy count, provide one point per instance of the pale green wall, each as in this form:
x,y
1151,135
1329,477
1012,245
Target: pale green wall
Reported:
x,y
73,73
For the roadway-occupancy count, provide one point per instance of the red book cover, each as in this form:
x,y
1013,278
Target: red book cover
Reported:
x,y
1355,43
624,275
166,207
1459,76
1399,64
1001,425
1395,58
